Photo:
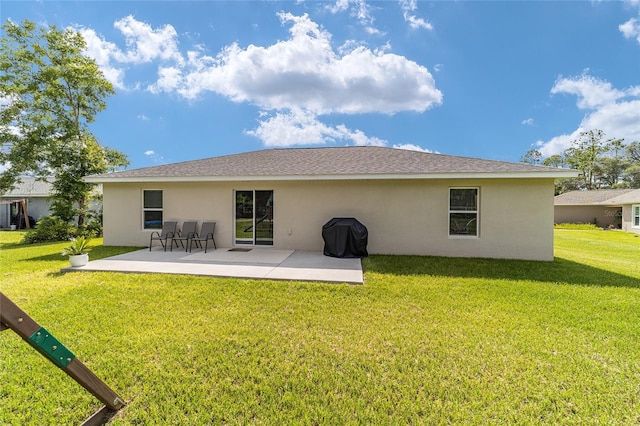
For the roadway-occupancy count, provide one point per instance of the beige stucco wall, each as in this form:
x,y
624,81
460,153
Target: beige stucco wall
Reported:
x,y
627,224
402,216
604,216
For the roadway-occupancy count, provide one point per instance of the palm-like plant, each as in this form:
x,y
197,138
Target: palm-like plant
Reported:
x,y
79,245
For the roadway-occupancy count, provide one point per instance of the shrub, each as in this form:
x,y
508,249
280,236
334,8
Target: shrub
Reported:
x,y
92,229
93,225
50,228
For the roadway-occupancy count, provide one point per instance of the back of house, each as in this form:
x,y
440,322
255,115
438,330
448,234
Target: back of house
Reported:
x,y
411,202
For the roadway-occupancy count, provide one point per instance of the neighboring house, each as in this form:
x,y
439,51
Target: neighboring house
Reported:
x,y
36,195
607,208
411,202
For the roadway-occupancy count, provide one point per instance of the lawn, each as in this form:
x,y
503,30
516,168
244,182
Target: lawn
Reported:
x,y
425,341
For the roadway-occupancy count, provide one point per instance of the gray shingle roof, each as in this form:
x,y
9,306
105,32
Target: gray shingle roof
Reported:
x,y
29,187
598,196
338,162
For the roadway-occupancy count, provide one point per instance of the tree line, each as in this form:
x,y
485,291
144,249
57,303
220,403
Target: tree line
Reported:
x,y
603,163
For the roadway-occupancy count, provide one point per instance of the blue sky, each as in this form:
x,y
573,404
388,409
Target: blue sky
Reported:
x,y
484,79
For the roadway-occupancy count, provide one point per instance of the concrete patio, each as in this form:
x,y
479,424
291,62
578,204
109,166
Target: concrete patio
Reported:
x,y
258,263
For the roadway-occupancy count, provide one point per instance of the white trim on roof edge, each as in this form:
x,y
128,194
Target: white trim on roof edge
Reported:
x,y
563,173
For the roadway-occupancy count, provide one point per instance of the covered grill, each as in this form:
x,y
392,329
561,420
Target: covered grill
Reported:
x,y
345,237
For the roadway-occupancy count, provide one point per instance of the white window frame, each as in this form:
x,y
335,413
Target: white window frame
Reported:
x,y
453,211
635,214
152,209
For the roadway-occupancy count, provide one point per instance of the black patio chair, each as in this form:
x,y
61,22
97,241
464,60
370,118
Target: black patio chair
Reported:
x,y
167,233
185,235
206,235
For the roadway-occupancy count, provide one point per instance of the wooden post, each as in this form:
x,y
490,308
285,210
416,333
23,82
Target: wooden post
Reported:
x,y
11,316
27,225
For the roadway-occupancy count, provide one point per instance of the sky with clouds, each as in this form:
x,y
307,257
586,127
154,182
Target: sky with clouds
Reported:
x,y
470,78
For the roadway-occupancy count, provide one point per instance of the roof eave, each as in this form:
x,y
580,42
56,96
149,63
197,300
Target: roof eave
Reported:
x,y
471,175
599,204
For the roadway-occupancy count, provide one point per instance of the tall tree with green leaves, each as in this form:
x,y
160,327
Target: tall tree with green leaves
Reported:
x,y
610,168
631,173
633,152
584,154
49,93
533,156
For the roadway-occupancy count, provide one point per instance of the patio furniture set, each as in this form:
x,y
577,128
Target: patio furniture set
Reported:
x,y
185,237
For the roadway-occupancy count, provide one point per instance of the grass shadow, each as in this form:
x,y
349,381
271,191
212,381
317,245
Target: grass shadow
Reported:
x,y
56,257
97,252
560,270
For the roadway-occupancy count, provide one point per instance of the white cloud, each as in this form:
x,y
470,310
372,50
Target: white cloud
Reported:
x,y
591,92
169,80
619,120
411,147
299,127
359,9
359,137
374,31
156,158
305,72
408,9
557,144
615,112
528,122
631,29
302,78
145,44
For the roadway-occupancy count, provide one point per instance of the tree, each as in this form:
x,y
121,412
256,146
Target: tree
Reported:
x,y
533,156
610,167
555,160
49,93
633,152
584,154
604,164
631,176
73,194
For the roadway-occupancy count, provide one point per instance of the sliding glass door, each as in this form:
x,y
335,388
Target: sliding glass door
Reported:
x,y
254,218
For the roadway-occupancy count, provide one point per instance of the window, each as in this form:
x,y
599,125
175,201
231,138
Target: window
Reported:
x,y
635,216
152,209
463,211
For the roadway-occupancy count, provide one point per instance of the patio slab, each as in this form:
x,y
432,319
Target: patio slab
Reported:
x,y
258,263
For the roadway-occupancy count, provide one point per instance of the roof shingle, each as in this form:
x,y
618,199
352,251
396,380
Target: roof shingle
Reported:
x,y
597,196
322,162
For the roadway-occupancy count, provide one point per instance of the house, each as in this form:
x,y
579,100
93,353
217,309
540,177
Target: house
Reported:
x,y
31,194
411,202
630,203
607,208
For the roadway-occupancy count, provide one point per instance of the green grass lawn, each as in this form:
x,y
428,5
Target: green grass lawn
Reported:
x,y
425,341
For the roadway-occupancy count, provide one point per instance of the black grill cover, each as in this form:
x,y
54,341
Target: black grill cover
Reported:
x,y
345,237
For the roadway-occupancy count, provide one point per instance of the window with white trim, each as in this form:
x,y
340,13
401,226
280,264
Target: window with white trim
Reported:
x,y
152,208
635,216
463,212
